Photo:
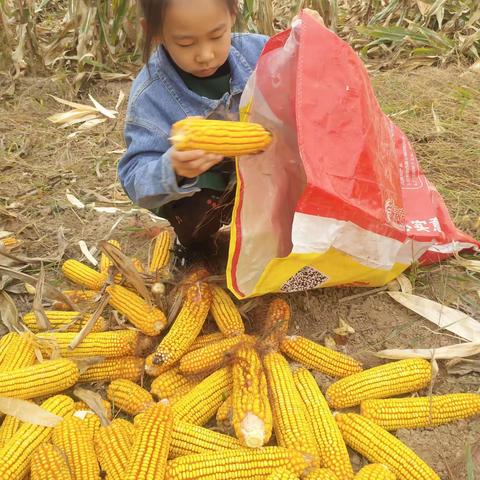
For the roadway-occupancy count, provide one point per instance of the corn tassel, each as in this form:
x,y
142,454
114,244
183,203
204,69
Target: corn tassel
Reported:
x,y
289,416
151,444
105,262
113,445
126,368
379,446
201,403
185,328
213,356
129,397
277,323
282,474
420,412
225,313
73,438
318,357
375,471
252,414
112,344
9,427
388,380
162,251
172,385
229,139
188,439
148,319
246,464
49,462
46,378
16,454
64,321
321,474
330,444
84,276
19,352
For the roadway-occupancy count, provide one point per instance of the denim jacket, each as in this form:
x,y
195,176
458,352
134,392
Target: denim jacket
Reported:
x,y
158,99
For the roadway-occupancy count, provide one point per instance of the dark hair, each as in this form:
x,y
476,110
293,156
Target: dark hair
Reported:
x,y
154,13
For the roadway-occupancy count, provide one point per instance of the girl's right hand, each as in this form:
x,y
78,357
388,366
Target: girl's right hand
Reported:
x,y
193,163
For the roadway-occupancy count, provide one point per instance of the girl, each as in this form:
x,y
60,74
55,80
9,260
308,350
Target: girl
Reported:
x,y
194,66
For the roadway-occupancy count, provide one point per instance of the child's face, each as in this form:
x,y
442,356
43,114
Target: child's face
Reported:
x,y
197,35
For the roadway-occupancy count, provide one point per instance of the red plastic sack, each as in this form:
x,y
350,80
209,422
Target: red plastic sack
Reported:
x,y
339,198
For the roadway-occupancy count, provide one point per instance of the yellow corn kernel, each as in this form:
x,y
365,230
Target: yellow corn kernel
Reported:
x,y
185,328
200,404
84,276
289,416
389,380
126,368
375,471
5,341
213,356
46,378
64,321
204,340
188,439
73,438
9,427
148,319
227,138
16,454
162,251
151,444
277,323
248,464
318,357
225,313
10,243
282,474
420,412
18,352
330,444
49,462
379,446
105,262
113,445
322,474
76,296
224,415
129,397
252,414
112,344
172,384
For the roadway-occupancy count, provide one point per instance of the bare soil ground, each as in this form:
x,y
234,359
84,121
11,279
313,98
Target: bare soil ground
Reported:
x,y
437,108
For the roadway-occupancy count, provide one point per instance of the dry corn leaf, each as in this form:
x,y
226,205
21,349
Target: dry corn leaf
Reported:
x,y
28,412
91,123
472,265
462,366
42,321
9,312
71,117
330,342
50,292
445,317
77,106
460,350
84,363
95,402
5,234
127,269
120,100
74,201
87,253
104,111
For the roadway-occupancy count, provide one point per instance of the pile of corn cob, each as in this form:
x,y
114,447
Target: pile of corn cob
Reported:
x,y
224,405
